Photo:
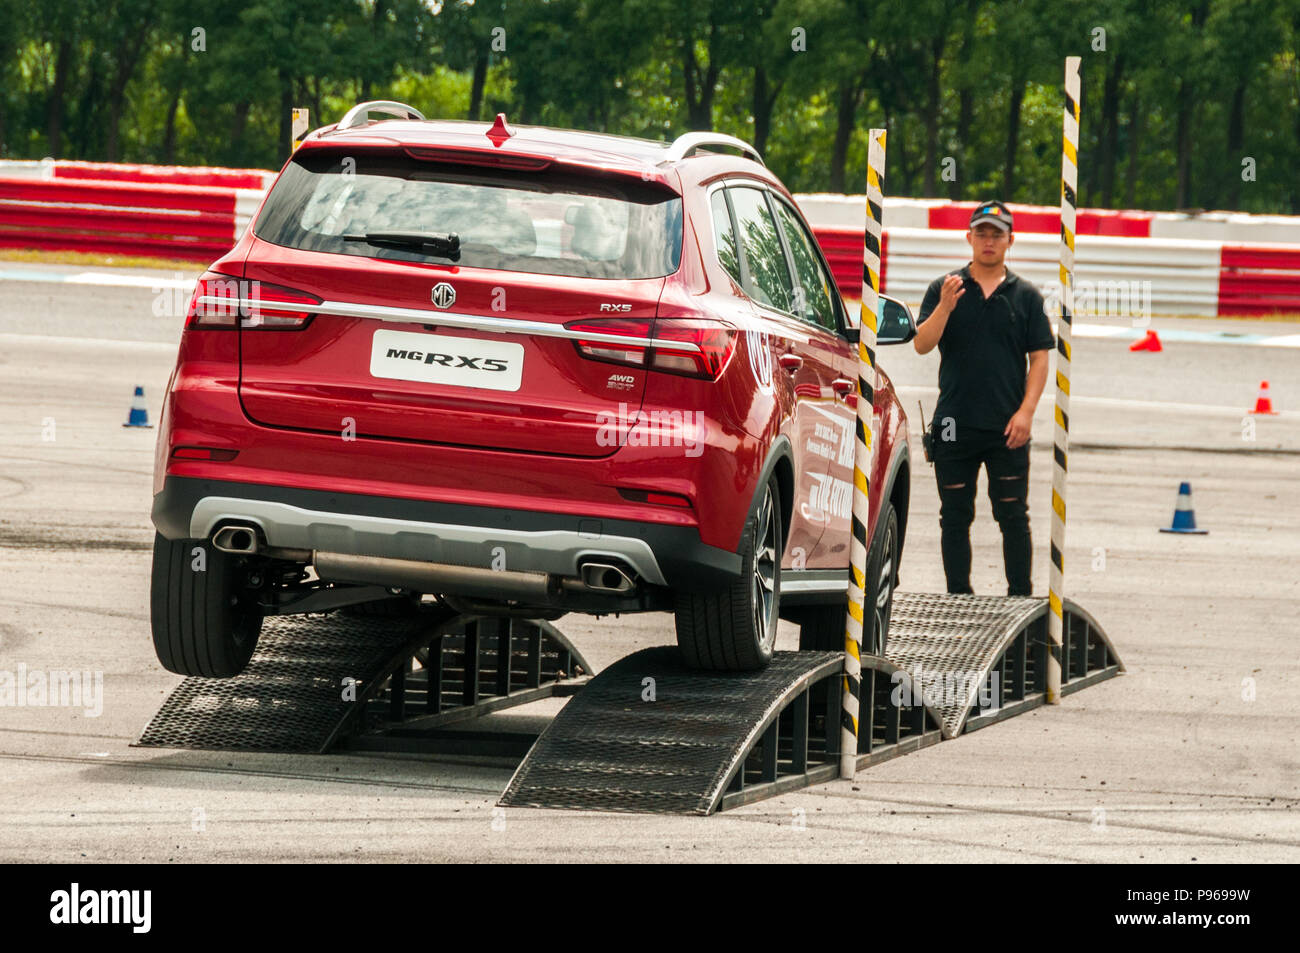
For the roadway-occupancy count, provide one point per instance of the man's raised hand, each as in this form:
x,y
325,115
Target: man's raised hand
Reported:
x,y
952,290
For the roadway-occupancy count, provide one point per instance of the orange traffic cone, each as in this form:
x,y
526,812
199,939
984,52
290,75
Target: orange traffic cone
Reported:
x,y
1263,403
1149,343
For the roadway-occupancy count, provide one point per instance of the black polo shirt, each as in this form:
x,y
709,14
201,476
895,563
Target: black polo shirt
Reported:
x,y
983,350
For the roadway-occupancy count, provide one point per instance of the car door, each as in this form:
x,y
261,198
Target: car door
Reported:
x,y
834,409
802,353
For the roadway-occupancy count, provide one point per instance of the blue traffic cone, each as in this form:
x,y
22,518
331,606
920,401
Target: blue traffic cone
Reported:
x,y
1184,518
139,415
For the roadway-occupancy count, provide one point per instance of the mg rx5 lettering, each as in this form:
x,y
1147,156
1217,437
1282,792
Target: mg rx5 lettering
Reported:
x,y
450,360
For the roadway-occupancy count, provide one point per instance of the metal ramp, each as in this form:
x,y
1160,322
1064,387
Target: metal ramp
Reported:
x,y
649,735
645,735
317,682
713,741
985,657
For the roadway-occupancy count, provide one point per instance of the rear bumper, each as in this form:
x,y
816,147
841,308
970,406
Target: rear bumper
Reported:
x,y
446,533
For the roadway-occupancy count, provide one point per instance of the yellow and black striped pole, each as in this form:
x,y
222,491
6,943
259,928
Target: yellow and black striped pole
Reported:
x,y
300,123
859,542
1061,428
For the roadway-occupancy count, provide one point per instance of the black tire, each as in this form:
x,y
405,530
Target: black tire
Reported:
x,y
882,573
821,628
203,621
735,629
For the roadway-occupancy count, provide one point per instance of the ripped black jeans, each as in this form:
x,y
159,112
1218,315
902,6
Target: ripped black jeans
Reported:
x,y
956,466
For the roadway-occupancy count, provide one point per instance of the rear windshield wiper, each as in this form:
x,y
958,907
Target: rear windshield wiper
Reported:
x,y
442,244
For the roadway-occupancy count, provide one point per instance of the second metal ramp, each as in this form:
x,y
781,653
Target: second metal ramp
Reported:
x,y
649,735
980,659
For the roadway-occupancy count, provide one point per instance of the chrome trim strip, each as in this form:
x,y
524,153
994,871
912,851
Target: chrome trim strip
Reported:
x,y
814,580
451,319
551,551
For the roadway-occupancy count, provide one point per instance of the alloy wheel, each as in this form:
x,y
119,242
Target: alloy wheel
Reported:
x,y
884,593
765,569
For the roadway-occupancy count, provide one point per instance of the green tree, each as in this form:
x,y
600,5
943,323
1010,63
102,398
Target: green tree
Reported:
x,y
1178,98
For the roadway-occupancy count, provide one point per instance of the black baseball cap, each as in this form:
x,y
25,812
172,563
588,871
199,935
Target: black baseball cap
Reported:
x,y
993,211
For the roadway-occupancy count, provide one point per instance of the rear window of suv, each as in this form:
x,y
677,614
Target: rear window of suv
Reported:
x,y
540,222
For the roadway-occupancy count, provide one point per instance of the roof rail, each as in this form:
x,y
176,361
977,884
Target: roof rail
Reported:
x,y
359,114
686,145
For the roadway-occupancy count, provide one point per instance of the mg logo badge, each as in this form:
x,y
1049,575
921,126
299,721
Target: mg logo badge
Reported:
x,y
444,295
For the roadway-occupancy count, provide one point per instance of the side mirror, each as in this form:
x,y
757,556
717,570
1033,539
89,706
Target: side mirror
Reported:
x,y
896,324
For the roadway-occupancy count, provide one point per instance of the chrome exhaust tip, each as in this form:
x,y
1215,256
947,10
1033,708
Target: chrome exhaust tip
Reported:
x,y
605,577
240,540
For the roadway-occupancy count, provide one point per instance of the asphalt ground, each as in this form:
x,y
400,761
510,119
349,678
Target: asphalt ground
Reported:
x,y
1189,757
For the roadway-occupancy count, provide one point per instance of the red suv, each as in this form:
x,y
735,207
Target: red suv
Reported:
x,y
523,371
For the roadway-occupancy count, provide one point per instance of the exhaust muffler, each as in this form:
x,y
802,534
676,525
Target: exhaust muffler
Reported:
x,y
241,540
437,578
606,577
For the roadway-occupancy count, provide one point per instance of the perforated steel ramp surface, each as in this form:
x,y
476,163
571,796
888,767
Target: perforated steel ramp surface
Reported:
x,y
996,644
611,748
291,696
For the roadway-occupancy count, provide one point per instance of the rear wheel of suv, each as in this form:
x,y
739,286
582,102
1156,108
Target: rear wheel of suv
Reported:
x,y
203,616
821,628
735,629
882,569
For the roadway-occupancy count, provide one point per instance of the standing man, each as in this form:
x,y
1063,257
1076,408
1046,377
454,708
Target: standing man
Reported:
x,y
985,320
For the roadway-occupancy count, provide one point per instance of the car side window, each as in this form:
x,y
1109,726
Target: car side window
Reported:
x,y
769,275
816,288
724,237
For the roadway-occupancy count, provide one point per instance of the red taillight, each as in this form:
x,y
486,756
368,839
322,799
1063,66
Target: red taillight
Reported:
x,y
704,347
713,341
220,301
603,345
